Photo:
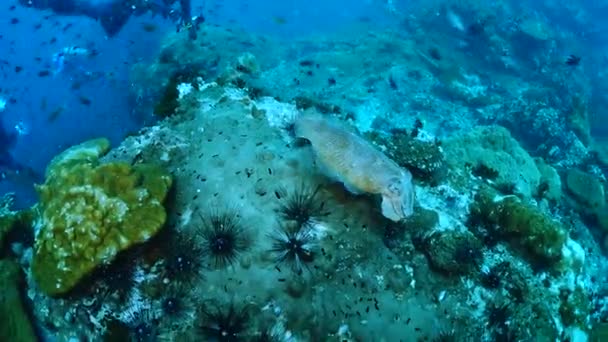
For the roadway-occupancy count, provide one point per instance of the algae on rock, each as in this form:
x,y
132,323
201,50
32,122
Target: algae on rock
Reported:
x,y
424,159
10,219
539,235
586,189
494,147
89,212
550,186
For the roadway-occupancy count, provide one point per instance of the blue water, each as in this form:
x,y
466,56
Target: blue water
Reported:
x,y
112,113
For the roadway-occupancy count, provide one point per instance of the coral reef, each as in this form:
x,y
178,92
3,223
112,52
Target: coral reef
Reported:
x,y
89,212
320,262
499,244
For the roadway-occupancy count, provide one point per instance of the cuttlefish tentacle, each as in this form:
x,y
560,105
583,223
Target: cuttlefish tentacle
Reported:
x,y
352,160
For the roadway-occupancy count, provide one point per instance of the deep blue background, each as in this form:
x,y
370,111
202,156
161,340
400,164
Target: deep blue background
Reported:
x,y
109,114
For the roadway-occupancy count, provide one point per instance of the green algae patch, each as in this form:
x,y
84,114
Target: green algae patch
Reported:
x,y
16,325
424,159
539,235
14,221
89,212
11,221
575,308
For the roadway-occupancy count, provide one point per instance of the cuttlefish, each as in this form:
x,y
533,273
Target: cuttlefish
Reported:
x,y
348,158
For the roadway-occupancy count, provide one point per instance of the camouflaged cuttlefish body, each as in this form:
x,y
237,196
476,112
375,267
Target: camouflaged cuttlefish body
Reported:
x,y
353,161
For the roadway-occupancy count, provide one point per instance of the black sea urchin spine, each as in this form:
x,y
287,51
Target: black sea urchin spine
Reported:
x,y
183,258
224,238
303,205
223,324
295,245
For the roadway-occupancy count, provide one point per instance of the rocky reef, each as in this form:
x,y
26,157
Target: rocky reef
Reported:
x,y
219,222
259,242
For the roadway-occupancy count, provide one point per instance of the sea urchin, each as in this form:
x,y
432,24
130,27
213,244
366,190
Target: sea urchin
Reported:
x,y
293,244
303,205
183,257
224,238
224,325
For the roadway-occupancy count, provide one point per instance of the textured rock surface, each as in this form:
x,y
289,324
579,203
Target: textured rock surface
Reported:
x,y
90,212
494,148
586,189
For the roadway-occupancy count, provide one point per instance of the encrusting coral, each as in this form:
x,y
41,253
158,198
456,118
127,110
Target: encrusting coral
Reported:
x,y
423,158
542,237
89,212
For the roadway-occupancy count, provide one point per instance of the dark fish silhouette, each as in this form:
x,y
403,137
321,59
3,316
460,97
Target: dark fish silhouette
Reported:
x,y
573,60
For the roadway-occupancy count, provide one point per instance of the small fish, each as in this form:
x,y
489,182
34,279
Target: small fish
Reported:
x,y
573,60
84,100
350,159
22,128
14,21
455,20
55,114
77,51
59,58
279,20
434,53
76,85
149,27
43,73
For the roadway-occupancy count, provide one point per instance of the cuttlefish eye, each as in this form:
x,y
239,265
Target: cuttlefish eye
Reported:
x,y
395,186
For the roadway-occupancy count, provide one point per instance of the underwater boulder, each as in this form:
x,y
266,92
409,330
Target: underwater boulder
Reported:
x,y
586,189
493,147
550,186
